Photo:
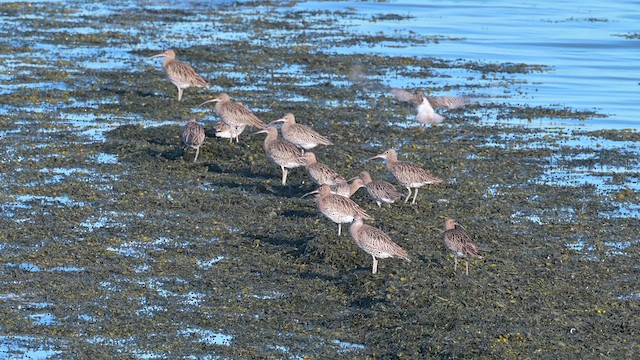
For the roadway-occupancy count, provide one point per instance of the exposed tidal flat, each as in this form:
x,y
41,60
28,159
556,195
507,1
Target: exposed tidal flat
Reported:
x,y
114,244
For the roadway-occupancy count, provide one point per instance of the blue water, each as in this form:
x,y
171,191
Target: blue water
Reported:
x,y
592,65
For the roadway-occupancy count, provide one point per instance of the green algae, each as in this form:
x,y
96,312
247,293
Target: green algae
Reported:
x,y
142,228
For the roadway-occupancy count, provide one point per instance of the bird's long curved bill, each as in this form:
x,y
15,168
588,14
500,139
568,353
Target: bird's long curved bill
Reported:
x,y
263,131
157,55
373,158
275,122
310,193
208,101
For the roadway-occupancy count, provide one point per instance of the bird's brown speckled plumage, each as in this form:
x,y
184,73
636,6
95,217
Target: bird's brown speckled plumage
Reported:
x,y
380,191
285,154
338,209
407,174
181,74
235,114
300,135
375,242
223,130
193,136
319,173
459,243
346,189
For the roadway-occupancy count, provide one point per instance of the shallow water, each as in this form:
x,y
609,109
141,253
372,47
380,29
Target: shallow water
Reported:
x,y
114,244
593,65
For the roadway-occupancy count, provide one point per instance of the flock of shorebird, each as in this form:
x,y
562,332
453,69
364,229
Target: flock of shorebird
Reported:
x,y
333,195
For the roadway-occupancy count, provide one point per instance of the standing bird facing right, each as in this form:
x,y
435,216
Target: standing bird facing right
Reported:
x,y
300,135
409,175
459,243
375,242
193,136
235,114
425,104
179,73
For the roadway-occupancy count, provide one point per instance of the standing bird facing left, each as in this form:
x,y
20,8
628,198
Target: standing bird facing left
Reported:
x,y
179,73
318,172
375,242
300,135
235,114
337,208
407,174
459,243
285,154
425,104
193,136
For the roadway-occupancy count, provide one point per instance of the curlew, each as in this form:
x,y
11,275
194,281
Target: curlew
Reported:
x,y
337,208
343,188
319,173
459,243
193,136
223,130
300,135
425,104
287,155
235,114
408,175
179,73
375,242
380,191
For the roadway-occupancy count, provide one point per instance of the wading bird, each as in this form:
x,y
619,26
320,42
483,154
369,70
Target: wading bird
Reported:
x,y
380,191
300,135
375,242
193,136
235,114
407,174
459,243
179,73
337,208
285,154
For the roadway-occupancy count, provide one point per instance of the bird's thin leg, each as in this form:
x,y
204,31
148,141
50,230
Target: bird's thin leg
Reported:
x,y
284,175
374,270
197,152
455,264
179,94
408,196
467,261
339,229
414,196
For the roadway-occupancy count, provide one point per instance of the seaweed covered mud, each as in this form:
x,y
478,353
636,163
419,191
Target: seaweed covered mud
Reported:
x,y
115,244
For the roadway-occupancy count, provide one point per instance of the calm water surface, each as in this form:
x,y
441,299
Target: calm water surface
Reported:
x,y
593,65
